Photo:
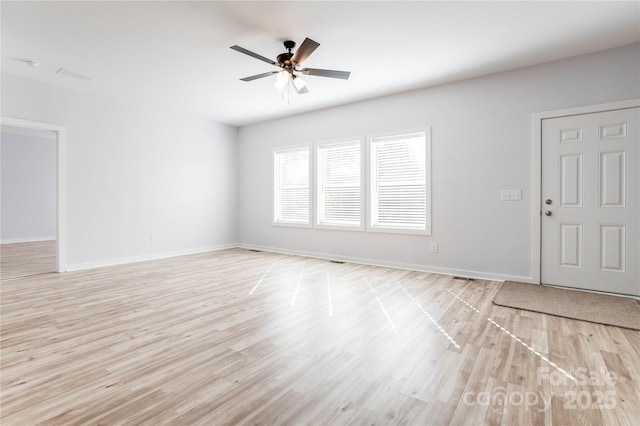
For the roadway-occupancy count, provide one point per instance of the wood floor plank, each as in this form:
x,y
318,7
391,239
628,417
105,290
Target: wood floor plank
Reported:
x,y
28,258
244,337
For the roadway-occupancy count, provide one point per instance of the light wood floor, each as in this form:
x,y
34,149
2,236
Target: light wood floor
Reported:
x,y
23,259
242,337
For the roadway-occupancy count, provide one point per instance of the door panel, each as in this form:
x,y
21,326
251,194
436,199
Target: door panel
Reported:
x,y
612,248
571,245
590,201
613,178
571,180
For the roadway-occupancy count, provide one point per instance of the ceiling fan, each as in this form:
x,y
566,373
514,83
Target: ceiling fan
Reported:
x,y
289,64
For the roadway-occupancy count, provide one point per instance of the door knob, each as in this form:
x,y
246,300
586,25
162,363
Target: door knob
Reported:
x,y
548,213
548,201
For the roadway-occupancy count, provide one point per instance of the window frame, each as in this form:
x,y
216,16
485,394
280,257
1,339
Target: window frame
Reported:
x,y
274,188
370,182
318,182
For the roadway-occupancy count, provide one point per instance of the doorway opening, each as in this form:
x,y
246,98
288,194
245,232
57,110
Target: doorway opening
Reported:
x,y
33,198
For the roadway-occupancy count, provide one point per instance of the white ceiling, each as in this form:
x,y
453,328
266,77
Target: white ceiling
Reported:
x,y
176,54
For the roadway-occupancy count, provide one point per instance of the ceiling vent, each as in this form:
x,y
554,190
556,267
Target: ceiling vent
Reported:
x,y
77,76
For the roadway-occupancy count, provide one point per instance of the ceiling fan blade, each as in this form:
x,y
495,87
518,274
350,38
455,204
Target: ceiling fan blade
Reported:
x,y
257,76
250,53
344,75
306,48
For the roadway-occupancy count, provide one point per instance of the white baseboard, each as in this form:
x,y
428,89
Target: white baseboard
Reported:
x,y
145,257
27,240
398,265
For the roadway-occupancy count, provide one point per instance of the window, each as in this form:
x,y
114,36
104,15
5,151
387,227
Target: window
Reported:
x,y
400,183
339,185
291,186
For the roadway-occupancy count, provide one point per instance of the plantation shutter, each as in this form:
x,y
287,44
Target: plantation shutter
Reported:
x,y
339,184
399,184
291,186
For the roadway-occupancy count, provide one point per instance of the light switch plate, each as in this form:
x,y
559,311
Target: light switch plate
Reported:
x,y
511,195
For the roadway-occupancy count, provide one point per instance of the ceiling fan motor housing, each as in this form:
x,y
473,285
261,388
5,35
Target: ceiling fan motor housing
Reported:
x,y
284,59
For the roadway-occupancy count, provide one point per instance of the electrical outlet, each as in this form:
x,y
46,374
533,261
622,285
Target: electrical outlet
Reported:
x,y
434,247
511,195
152,238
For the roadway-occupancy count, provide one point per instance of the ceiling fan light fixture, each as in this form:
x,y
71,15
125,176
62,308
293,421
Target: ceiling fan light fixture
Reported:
x,y
299,83
282,78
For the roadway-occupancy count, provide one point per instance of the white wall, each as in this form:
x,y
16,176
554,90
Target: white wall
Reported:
x,y
481,143
134,172
28,176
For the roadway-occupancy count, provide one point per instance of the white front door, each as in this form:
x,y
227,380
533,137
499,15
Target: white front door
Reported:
x,y
590,201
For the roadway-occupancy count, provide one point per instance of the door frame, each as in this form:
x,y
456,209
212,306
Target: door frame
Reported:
x,y
61,181
536,170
